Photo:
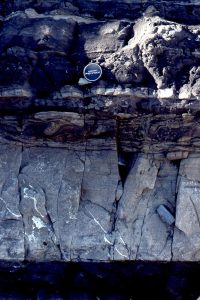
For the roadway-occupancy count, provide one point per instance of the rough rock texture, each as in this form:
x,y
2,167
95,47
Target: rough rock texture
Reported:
x,y
96,172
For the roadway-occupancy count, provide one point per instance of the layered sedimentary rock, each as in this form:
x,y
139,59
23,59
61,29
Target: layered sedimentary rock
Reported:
x,y
108,170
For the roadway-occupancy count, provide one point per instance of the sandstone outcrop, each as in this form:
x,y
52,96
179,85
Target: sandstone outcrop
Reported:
x,y
85,168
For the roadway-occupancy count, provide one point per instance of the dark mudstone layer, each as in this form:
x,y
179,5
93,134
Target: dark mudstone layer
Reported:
x,y
105,281
181,11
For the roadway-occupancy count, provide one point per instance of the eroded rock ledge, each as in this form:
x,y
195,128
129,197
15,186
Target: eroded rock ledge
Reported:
x,y
85,169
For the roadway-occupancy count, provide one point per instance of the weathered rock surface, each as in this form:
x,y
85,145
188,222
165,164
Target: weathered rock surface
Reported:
x,y
109,170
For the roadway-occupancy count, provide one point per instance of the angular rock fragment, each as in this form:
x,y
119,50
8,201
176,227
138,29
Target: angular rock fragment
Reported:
x,y
132,207
11,218
40,178
165,215
93,224
187,231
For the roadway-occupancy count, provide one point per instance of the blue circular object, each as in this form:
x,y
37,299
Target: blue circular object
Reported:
x,y
92,72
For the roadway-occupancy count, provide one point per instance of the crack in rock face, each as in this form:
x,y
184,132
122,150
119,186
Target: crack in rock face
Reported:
x,y
106,171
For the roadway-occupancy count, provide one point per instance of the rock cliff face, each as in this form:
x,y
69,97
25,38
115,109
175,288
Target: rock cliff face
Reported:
x,y
109,170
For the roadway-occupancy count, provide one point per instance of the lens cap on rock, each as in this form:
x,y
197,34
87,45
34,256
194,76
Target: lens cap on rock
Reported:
x,y
92,72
